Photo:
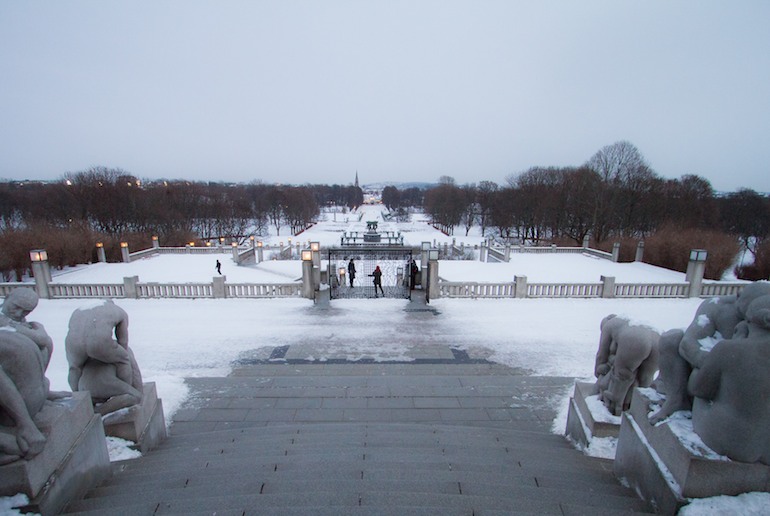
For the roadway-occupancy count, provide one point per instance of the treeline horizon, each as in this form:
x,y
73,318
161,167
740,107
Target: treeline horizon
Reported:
x,y
614,196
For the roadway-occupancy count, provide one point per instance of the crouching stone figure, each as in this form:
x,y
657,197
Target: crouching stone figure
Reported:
x,y
103,365
627,358
731,408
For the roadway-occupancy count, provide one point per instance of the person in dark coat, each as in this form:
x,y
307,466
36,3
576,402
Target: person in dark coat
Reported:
x,y
351,271
219,267
377,275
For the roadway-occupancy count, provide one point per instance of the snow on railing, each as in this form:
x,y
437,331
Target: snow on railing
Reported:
x,y
246,290
652,290
73,291
564,289
6,288
174,290
474,290
721,289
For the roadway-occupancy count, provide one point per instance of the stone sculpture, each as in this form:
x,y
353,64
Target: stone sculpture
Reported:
x,y
103,365
627,358
682,352
731,408
25,350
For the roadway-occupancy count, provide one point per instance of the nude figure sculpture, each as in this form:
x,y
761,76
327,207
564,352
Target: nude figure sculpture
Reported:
x,y
99,358
627,358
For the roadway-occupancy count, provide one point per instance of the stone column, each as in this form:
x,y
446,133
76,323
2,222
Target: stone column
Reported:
x,y
639,251
235,252
696,267
424,247
507,252
260,255
130,286
219,290
608,286
616,252
315,247
586,241
124,252
434,290
483,252
42,272
155,243
308,286
100,252
521,286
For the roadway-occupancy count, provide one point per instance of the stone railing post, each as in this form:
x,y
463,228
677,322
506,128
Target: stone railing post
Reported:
x,y
260,255
234,246
586,241
696,267
616,252
125,255
521,286
308,285
435,293
42,272
130,286
155,243
424,248
507,253
639,251
483,252
219,290
100,252
608,286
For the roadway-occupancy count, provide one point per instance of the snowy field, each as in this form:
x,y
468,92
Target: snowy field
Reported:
x,y
173,339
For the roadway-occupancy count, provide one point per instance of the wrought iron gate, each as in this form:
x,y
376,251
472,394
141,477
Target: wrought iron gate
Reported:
x,y
393,262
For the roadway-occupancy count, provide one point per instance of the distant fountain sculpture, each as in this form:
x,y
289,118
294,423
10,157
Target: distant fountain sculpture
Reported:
x,y
627,358
371,234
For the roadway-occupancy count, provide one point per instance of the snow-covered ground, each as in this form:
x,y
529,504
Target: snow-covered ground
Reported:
x,y
175,338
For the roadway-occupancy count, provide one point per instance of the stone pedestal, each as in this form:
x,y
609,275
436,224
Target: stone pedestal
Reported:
x,y
143,424
582,423
74,460
666,471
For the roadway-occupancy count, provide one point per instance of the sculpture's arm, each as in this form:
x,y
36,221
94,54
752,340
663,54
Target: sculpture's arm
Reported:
x,y
121,332
28,437
689,348
601,364
704,383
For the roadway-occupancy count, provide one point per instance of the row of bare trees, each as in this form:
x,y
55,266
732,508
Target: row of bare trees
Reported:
x,y
614,196
111,205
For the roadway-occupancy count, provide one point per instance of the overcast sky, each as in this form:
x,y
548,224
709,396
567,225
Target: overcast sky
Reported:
x,y
313,91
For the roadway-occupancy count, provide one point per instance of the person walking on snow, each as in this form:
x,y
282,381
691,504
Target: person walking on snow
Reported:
x,y
377,275
219,268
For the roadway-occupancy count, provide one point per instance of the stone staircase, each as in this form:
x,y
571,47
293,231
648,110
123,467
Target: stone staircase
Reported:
x,y
446,437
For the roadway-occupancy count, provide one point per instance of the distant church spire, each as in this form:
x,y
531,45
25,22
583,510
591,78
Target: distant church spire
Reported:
x,y
356,185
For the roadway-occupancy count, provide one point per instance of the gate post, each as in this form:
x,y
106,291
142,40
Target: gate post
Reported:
x,y
424,265
433,275
308,286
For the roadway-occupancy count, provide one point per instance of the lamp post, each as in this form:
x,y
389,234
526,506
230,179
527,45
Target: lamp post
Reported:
x,y
308,285
315,248
425,247
125,255
100,252
42,272
696,267
155,243
234,245
259,252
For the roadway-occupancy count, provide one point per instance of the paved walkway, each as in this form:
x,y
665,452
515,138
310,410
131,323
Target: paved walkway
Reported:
x,y
444,433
